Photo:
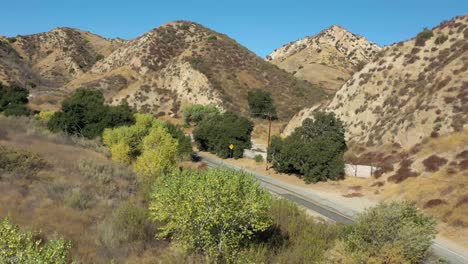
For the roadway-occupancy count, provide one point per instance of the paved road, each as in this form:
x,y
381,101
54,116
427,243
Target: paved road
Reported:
x,y
324,207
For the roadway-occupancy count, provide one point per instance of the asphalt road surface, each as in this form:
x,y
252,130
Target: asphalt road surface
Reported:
x,y
321,206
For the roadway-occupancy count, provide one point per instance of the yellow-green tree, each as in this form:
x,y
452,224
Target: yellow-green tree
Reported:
x,y
158,155
45,116
212,212
24,247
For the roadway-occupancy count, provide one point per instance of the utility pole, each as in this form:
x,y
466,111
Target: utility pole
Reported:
x,y
268,140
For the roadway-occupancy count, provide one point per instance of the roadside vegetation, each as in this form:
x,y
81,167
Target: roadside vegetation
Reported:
x,y
215,134
144,207
314,151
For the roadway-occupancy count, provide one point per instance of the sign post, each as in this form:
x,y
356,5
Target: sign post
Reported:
x,y
231,147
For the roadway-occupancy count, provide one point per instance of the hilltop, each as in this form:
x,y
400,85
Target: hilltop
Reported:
x,y
177,63
406,113
327,59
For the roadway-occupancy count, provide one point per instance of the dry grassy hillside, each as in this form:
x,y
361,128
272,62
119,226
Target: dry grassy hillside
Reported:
x,y
13,69
406,112
68,186
62,54
184,62
411,91
328,58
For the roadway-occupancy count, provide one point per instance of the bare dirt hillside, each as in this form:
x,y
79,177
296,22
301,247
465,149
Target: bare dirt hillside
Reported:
x,y
328,58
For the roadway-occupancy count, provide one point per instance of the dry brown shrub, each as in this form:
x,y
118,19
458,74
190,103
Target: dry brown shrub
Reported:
x,y
433,203
462,155
434,162
463,201
378,184
463,165
354,194
404,172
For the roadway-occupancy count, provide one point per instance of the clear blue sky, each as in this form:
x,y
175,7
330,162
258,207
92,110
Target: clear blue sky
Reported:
x,y
259,25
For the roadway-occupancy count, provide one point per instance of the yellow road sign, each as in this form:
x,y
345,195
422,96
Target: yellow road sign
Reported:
x,y
231,146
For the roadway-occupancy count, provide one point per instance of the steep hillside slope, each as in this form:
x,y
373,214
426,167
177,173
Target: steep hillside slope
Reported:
x,y
62,54
13,69
184,62
328,58
413,90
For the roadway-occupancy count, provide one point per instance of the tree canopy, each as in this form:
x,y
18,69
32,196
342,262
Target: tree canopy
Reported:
x,y
85,114
211,212
261,104
314,151
216,133
193,114
13,100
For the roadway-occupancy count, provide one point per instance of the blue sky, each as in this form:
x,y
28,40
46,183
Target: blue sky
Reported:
x,y
259,25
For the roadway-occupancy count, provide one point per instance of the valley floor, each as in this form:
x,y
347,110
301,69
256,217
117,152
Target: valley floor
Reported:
x,y
349,197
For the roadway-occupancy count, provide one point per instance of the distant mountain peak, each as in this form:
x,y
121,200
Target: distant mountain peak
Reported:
x,y
327,58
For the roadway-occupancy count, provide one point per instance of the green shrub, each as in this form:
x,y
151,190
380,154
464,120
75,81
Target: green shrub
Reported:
x,y
99,57
258,158
44,116
24,247
212,212
85,114
423,36
314,151
12,39
195,113
440,39
184,146
212,37
13,100
389,233
17,110
216,133
261,104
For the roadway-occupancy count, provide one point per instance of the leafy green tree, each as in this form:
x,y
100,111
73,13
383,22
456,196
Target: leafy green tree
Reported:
x,y
314,151
388,233
13,100
261,104
85,114
126,143
24,247
193,114
212,212
159,153
44,116
17,110
216,133
184,146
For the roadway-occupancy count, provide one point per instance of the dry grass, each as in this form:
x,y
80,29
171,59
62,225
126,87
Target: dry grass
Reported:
x,y
70,190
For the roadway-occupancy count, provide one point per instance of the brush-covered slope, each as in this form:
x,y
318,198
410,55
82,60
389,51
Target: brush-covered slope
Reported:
x,y
411,91
184,63
13,69
328,58
60,55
